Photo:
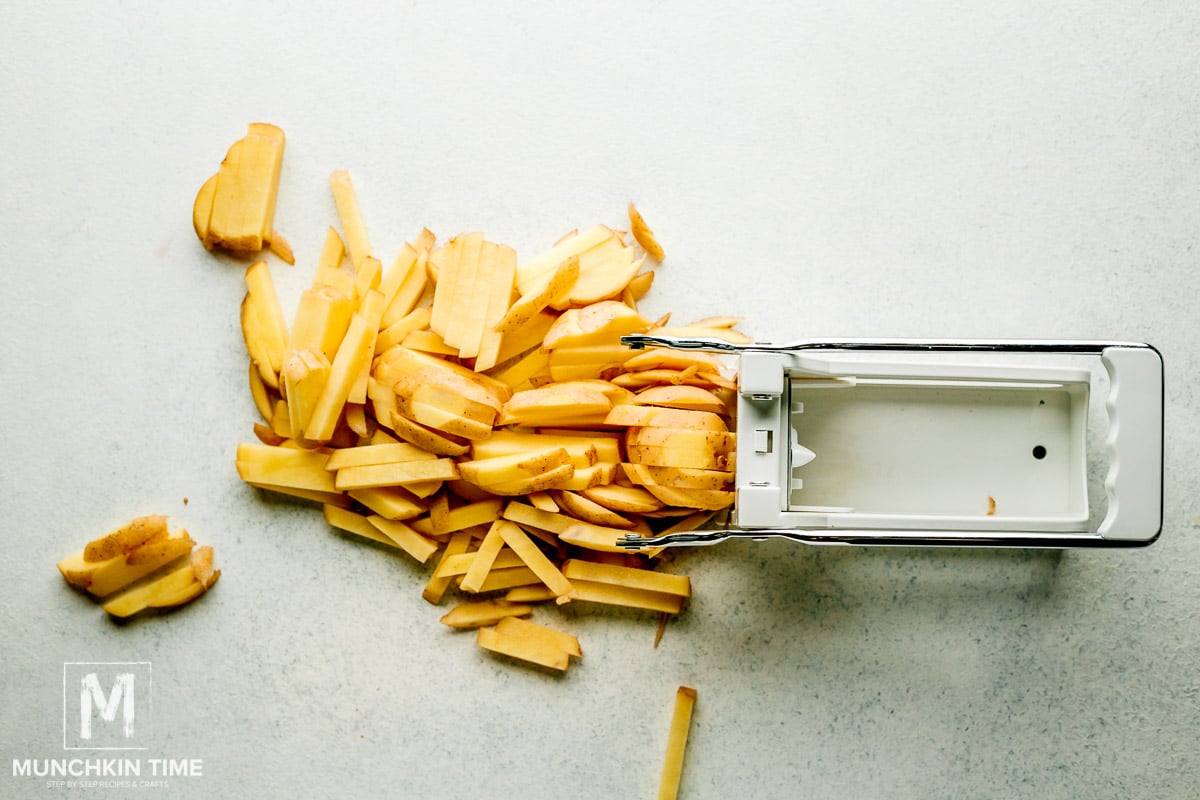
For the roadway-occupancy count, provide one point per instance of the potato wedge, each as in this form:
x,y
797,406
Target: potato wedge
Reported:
x,y
644,236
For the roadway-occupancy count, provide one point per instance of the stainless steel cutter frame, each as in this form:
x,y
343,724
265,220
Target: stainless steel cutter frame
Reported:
x,y
768,452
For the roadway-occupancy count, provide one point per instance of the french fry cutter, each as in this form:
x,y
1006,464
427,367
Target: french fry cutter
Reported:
x,y
930,442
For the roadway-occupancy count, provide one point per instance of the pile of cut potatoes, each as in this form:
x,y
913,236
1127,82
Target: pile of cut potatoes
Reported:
x,y
477,410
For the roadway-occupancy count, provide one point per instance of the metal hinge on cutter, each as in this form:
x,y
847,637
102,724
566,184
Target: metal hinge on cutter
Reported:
x,y
929,442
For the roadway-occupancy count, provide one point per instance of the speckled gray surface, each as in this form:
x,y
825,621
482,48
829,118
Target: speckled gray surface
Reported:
x,y
928,169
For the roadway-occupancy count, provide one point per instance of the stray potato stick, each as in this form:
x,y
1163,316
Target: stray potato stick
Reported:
x,y
681,720
346,200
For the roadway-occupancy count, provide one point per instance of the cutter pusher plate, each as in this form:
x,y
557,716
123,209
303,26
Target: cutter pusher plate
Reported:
x,y
921,442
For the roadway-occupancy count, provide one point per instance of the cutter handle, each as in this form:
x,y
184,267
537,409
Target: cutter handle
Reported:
x,y
1135,444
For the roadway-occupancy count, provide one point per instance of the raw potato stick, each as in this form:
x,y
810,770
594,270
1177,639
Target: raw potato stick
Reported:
x,y
681,720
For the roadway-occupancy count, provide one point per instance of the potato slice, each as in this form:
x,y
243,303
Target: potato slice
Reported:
x,y
483,612
458,565
471,515
503,278
376,454
716,441
557,282
629,577
118,573
428,342
678,477
515,467
604,272
176,588
459,293
242,210
525,338
530,271
691,398
555,404
389,502
304,375
396,332
284,466
599,474
688,457
640,285
202,210
711,500
644,236
694,332
123,539
617,595
551,479
321,321
656,417
587,510
594,537
625,499
583,452
530,642
352,353
602,323
518,374
438,442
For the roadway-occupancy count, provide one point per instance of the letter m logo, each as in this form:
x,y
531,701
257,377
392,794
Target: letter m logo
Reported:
x,y
105,705
90,691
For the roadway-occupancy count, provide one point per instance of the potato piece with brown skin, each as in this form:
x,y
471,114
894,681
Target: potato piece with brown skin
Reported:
x,y
644,236
581,507
120,541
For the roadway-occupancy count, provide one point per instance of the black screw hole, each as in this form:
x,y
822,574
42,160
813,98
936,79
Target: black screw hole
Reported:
x,y
1039,452
1041,402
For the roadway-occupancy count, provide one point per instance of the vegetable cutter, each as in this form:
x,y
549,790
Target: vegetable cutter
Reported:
x,y
920,442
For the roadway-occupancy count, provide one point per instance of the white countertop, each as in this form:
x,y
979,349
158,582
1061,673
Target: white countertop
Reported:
x,y
913,171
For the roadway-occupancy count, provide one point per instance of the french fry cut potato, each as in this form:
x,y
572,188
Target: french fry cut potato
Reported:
x,y
531,642
535,559
681,721
176,588
616,595
398,473
484,612
346,200
435,587
484,558
629,577
483,512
